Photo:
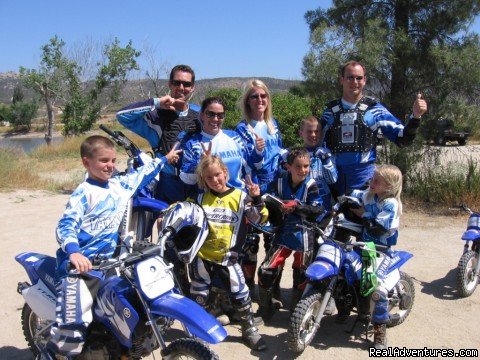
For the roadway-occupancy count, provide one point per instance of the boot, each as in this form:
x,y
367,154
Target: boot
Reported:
x,y
266,308
276,293
380,336
250,334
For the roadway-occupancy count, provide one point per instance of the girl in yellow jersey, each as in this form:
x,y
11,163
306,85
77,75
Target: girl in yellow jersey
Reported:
x,y
226,209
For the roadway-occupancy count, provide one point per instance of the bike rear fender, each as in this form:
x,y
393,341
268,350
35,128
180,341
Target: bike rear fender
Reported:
x,y
199,322
398,259
39,266
319,270
471,235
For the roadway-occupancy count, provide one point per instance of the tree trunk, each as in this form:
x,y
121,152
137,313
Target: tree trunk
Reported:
x,y
51,118
399,64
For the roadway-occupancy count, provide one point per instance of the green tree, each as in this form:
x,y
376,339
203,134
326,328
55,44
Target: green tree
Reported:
x,y
83,107
49,80
289,110
22,113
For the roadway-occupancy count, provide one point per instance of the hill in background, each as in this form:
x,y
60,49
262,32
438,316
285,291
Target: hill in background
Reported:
x,y
136,90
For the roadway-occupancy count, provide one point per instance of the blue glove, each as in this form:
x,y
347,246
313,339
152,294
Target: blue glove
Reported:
x,y
323,153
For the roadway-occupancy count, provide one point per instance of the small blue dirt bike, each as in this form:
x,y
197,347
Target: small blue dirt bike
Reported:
x,y
336,272
469,264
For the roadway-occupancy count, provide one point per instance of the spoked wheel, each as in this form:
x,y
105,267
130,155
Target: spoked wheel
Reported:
x,y
35,329
188,349
467,279
401,302
302,329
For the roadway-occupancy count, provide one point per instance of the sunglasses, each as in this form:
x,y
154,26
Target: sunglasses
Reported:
x,y
212,114
357,78
258,96
184,83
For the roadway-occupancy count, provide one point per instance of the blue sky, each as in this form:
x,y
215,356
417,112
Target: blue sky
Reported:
x,y
218,38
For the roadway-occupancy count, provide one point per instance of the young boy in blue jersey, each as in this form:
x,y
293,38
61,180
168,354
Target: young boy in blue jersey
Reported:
x,y
322,168
88,229
297,185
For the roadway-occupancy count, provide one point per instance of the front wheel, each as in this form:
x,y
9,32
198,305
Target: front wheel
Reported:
x,y
188,349
467,279
302,329
401,302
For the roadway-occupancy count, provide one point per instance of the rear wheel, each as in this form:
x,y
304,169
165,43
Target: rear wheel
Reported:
x,y
188,349
35,329
302,329
401,302
467,279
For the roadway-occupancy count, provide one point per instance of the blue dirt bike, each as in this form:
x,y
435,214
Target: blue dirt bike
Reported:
x,y
336,272
469,265
134,307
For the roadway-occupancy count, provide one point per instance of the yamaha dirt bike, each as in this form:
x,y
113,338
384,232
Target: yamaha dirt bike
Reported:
x,y
133,309
469,265
336,272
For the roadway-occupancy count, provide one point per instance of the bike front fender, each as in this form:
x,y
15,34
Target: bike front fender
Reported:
x,y
471,235
199,322
319,270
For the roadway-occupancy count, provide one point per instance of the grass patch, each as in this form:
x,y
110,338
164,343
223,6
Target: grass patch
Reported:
x,y
18,173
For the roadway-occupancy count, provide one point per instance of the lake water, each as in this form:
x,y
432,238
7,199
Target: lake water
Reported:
x,y
26,144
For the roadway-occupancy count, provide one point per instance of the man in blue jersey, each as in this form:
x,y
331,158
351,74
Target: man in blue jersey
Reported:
x,y
161,120
350,125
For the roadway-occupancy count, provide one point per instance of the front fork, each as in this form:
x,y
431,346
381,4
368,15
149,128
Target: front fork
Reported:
x,y
326,297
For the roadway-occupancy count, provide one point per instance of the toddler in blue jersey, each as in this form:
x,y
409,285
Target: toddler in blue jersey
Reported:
x,y
87,229
381,209
322,168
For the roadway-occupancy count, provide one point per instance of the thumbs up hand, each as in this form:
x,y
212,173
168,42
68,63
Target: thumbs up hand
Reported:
x,y
419,106
259,142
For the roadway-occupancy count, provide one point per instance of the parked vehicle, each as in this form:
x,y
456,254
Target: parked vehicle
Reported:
x,y
468,272
336,272
134,307
444,131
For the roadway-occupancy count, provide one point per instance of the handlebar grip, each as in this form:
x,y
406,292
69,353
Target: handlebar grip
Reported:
x,y
174,227
108,131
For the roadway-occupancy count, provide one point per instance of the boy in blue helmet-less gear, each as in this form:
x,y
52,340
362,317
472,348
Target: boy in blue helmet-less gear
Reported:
x,y
88,229
350,125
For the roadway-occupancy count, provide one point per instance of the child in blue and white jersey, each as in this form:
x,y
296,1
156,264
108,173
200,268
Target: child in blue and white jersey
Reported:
x,y
89,228
322,168
215,141
380,211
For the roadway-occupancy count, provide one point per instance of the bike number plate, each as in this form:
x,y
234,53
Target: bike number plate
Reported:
x,y
154,277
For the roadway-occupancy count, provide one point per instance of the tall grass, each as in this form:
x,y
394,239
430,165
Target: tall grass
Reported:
x,y
446,185
17,173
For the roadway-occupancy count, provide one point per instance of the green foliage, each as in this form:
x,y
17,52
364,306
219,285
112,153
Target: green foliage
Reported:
x,y
5,112
230,97
289,110
22,113
17,94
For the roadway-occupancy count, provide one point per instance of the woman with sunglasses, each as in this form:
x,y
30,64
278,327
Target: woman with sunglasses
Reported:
x,y
259,130
213,140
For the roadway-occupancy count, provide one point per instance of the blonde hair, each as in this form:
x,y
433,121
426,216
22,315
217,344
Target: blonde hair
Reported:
x,y
394,180
248,89
204,164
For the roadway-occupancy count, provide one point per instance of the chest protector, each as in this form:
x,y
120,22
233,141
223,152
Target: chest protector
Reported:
x,y
172,125
349,132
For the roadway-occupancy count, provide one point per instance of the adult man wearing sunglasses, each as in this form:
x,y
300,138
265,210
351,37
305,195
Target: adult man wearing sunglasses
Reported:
x,y
161,120
350,127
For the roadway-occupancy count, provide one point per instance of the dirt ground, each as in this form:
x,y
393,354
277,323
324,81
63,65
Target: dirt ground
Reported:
x,y
439,319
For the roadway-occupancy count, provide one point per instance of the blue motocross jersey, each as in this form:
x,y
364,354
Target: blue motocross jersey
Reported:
x,y
159,127
384,212
272,152
290,235
324,172
231,149
95,210
376,117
